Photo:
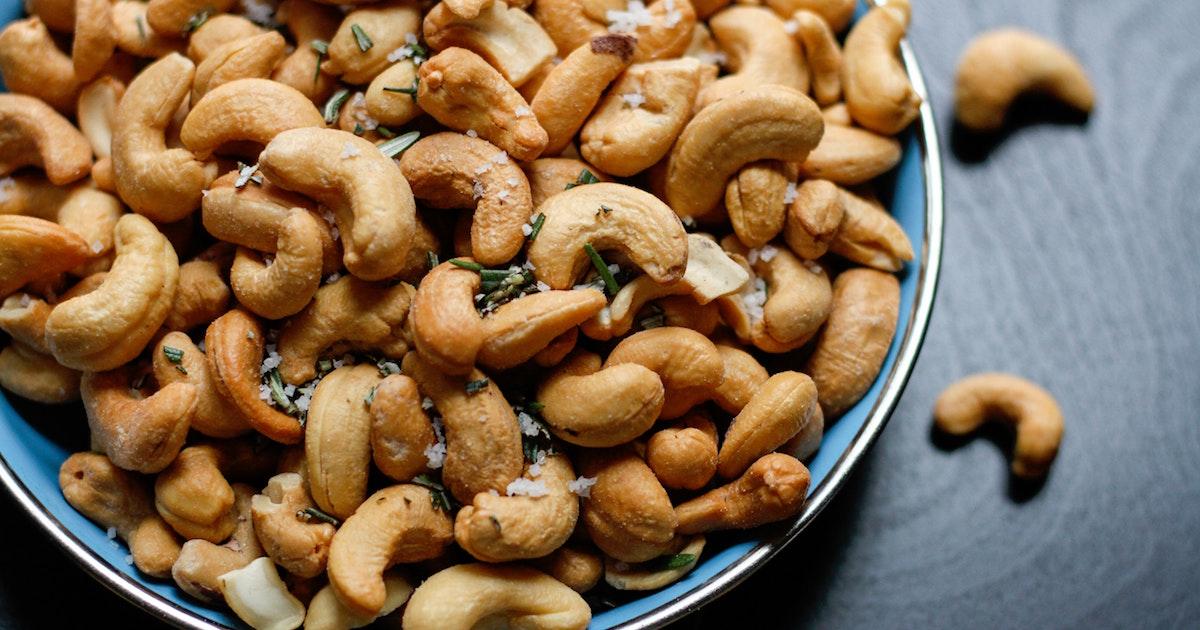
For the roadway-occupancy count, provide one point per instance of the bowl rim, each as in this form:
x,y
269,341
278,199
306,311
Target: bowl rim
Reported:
x,y
739,570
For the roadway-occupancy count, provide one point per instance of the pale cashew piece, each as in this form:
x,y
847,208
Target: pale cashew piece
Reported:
x,y
112,324
760,50
623,577
848,155
216,415
35,376
608,216
1001,65
823,54
595,407
684,455
115,498
507,37
755,199
780,409
464,596
337,438
401,431
260,598
34,249
772,489
878,92
385,25
249,58
519,329
171,17
251,109
94,38
572,89
201,563
366,191
627,512
139,434
33,134
327,612
288,283
813,218
398,524
1035,415
32,64
854,343
770,122
300,546
868,235
447,330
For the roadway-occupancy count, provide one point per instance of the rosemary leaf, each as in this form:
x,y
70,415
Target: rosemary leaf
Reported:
x,y
315,514
610,282
360,37
398,145
538,222
334,105
466,264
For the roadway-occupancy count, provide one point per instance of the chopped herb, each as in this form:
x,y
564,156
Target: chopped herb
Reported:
x,y
247,173
610,282
358,129
394,147
603,208
315,514
495,275
535,406
334,105
533,445
538,222
411,91
474,387
418,50
441,499
370,397
674,561
141,26
385,132
431,259
197,20
275,383
360,36
466,264
387,367
322,48
324,366
585,177
504,290
174,355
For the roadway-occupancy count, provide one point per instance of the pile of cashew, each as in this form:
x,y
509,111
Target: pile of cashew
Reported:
x,y
330,348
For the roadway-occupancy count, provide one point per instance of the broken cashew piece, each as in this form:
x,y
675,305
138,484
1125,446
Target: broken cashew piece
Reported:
x,y
771,490
36,135
572,88
466,595
506,36
327,612
878,93
202,563
624,577
301,547
259,597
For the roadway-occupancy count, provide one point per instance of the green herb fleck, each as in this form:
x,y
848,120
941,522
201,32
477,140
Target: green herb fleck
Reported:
x,y
538,222
322,48
315,514
431,259
398,145
370,397
324,366
385,132
360,36
440,498
387,367
535,406
275,383
411,91
474,387
141,26
358,129
466,264
585,177
197,20
610,283
674,561
334,105
174,355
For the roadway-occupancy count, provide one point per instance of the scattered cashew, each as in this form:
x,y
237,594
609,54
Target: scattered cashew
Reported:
x,y
808,440
761,52
1035,415
772,489
218,30
385,104
201,563
578,569
216,415
401,431
684,455
878,92
202,296
685,361
823,55
572,89
301,547
447,330
194,495
627,513
781,408
467,595
595,407
507,37
36,135
32,64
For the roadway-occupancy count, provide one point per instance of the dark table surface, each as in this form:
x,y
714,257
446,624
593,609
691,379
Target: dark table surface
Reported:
x,y
1070,258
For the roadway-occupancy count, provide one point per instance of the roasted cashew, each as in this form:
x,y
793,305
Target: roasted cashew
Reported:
x,y
163,184
848,155
823,54
337,438
33,134
216,31
483,438
571,90
595,407
287,284
685,312
624,139
798,299
813,218
398,524
202,296
32,64
450,170
401,431
248,109
349,314
627,303
385,24
447,330
506,37
743,376
669,32
868,235
201,562
115,498
1032,411
578,569
35,249
755,200
685,361
878,92
1001,65
684,455
497,528
138,434
249,58
760,123
365,190
627,513
550,176
327,612
519,329
851,348
94,39
608,216
466,596
234,348
134,35
460,90
59,15
194,495
623,577
384,104
300,546
23,317
171,17
259,596
779,410
760,50
808,440
35,376
216,415
112,324
90,213
772,489
96,111
308,21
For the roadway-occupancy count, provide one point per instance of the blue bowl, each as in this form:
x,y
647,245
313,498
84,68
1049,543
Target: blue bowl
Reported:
x,y
32,448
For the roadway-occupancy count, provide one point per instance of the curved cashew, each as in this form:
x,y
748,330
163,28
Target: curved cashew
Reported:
x,y
194,496
337,439
813,218
743,376
466,595
684,455
760,50
608,216
385,24
93,215
234,348
142,435
550,176
32,64
201,563
1035,415
571,90
784,306
854,343
218,30
497,528
171,17
115,498
326,612
460,90
136,37
36,135
627,513
625,139
868,235
365,190
507,37
848,155
519,329
684,360
755,199
595,407
822,53
623,577
251,109
360,315
259,596
401,431
772,489
216,415
450,170
112,324
286,285
34,249
202,296
387,106
395,525
626,305
163,184
780,408
35,376
447,330
1001,65
878,92
483,438
249,58
300,546
770,122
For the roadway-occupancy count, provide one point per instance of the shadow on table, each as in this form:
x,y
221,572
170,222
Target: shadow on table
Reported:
x,y
972,147
1003,438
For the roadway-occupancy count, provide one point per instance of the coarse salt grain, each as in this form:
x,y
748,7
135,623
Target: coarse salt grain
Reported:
x,y
260,12
483,168
791,27
25,300
542,286
500,158
634,99
111,532
471,133
97,247
502,195
6,187
767,252
790,194
523,111
333,277
426,403
674,16
477,189
582,486
529,426
526,229
522,487
628,21
528,263
512,181
350,151
714,58
435,455
129,559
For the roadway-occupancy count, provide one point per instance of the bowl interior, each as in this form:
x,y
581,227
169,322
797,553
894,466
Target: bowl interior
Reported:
x,y
35,440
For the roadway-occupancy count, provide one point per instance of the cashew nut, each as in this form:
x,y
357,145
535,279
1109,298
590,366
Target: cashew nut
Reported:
x,y
755,200
36,135
685,312
35,249
288,283
468,595
35,376
326,612
580,570
136,37
247,58
572,89
194,496
218,30
558,349
1001,65
96,111
308,21
848,155
743,375
171,17
90,213
401,431
506,37
760,50
868,235
201,563
250,109
1035,415
387,106
94,40
837,13
202,296
337,439
595,407
139,434
519,329
772,489
808,440
259,597
798,300
301,547
59,15
837,114
685,454
385,25
447,330
550,176
822,53
23,317
623,577
685,361
780,409
813,218
571,23
878,92
627,513
32,64
216,415
115,498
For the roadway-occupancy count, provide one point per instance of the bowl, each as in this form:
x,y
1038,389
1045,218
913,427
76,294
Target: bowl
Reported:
x,y
35,440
